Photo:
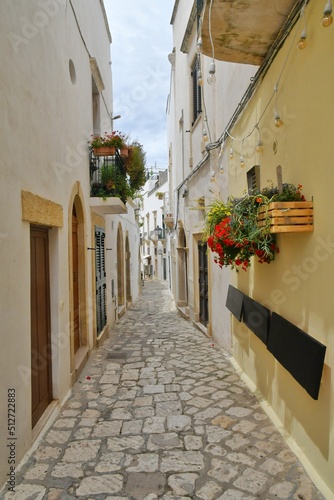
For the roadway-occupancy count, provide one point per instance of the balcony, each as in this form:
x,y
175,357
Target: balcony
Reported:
x,y
169,220
108,184
243,32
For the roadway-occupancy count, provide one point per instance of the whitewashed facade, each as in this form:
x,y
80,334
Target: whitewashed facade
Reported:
x,y
154,232
55,91
195,175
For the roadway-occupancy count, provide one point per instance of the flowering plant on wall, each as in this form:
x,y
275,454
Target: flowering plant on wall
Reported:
x,y
232,229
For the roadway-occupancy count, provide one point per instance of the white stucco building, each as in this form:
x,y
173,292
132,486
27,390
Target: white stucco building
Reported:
x,y
69,260
196,114
154,231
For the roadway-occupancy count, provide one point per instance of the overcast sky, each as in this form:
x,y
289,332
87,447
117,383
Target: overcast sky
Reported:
x,y
141,41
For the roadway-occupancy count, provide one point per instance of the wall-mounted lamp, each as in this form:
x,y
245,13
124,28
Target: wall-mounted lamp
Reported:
x,y
115,117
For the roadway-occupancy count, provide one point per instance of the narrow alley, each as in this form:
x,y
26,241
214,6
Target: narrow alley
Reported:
x,y
159,412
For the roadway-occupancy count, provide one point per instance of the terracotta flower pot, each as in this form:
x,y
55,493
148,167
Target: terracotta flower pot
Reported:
x,y
105,151
124,151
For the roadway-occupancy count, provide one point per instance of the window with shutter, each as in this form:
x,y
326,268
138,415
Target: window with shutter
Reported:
x,y
101,314
197,91
253,179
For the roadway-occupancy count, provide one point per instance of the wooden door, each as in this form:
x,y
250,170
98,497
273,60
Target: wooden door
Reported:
x,y
203,283
75,281
41,374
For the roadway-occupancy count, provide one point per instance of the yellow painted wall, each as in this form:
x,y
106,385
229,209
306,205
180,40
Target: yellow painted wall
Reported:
x,y
299,285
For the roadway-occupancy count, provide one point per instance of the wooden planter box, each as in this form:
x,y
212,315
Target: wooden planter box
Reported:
x,y
287,216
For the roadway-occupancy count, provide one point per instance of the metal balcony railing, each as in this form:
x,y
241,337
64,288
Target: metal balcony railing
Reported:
x,y
108,176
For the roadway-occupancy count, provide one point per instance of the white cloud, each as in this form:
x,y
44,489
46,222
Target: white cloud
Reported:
x,y
142,40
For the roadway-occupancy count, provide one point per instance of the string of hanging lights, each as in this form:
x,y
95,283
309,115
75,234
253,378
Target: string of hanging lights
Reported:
x,y
278,121
226,136
326,21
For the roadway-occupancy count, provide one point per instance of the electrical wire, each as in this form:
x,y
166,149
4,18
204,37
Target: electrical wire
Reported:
x,y
210,31
255,82
274,93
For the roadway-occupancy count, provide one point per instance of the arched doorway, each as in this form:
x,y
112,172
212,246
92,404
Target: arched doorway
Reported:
x,y
128,271
77,278
75,281
120,267
182,269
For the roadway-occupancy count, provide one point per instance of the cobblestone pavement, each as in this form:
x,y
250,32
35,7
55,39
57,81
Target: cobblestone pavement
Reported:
x,y
159,412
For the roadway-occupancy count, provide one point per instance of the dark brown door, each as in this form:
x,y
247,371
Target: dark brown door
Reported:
x,y
203,283
40,323
75,281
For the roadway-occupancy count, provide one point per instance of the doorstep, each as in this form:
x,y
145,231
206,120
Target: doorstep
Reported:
x,y
47,418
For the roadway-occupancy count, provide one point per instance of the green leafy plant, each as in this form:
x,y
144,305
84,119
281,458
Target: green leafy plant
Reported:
x,y
108,174
232,230
289,192
135,166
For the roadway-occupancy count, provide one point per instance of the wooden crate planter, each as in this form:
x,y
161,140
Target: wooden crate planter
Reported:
x,y
287,216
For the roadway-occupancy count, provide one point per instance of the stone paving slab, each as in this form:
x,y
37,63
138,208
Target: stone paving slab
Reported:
x,y
159,413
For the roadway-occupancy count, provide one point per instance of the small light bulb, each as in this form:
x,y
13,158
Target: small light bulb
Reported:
x,y
242,161
211,79
199,46
278,121
213,175
212,73
327,18
259,146
200,79
205,135
302,41
231,154
221,168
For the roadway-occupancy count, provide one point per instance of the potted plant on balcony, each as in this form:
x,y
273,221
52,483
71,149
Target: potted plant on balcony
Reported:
x,y
107,144
113,183
108,176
